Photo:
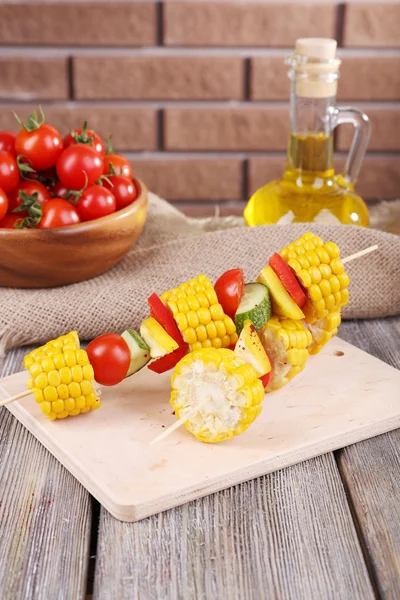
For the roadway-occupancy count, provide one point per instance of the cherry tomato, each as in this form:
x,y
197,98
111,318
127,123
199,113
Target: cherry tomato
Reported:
x,y
9,221
229,290
110,358
58,212
75,162
29,188
42,146
9,174
115,164
3,204
95,202
7,142
85,136
123,189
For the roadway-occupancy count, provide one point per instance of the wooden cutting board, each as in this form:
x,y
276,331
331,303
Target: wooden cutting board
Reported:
x,y
343,396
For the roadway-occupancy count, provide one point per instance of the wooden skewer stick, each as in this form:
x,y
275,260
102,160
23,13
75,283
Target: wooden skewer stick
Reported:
x,y
180,422
359,254
17,397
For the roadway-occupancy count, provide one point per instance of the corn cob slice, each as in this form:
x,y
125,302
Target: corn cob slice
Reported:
x,y
234,390
323,330
62,379
199,316
320,270
286,342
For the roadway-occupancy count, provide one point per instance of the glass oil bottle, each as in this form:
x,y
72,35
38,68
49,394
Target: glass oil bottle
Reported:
x,y
309,190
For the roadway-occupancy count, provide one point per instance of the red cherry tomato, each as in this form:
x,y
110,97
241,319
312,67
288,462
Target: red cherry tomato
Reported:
x,y
3,204
123,189
42,146
7,142
9,221
110,358
74,162
229,290
29,188
85,136
58,213
9,173
59,190
95,202
115,164
288,279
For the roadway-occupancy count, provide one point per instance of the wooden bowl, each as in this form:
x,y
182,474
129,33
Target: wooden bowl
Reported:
x,y
40,258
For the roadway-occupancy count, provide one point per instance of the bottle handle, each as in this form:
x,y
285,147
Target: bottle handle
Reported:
x,y
362,130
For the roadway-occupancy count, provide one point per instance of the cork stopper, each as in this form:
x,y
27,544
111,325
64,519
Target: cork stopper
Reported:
x,y
316,67
321,48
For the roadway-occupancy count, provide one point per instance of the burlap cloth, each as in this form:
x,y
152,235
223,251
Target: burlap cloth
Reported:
x,y
174,248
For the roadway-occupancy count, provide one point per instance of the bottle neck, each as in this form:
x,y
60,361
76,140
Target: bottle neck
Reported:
x,y
311,131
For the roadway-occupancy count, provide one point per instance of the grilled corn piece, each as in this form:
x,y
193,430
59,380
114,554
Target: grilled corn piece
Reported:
x,y
323,330
62,379
225,388
286,342
320,270
199,316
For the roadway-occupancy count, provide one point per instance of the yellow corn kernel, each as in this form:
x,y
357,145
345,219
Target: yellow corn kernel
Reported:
x,y
221,329
211,296
53,377
189,335
46,407
193,303
41,381
74,389
85,409
315,292
216,342
207,343
211,330
343,280
217,312
304,277
96,405
88,372
57,406
80,402
182,305
70,358
203,300
65,375
332,249
196,346
69,404
82,358
59,361
181,321
226,340
303,261
323,255
192,319
50,393
62,415
335,284
75,412
35,369
337,266
38,394
86,387
325,287
201,333
91,400
77,373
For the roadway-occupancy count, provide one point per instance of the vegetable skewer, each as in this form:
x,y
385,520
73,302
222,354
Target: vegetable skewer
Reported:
x,y
46,363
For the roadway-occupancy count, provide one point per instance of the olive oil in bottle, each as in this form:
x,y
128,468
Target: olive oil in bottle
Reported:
x,y
309,191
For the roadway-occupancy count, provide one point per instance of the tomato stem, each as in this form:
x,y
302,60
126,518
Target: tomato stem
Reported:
x,y
24,168
110,149
83,137
33,121
31,204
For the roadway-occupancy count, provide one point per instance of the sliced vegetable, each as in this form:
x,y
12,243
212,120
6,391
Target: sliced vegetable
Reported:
x,y
288,279
282,304
255,306
229,289
163,315
167,362
250,348
110,358
139,350
158,340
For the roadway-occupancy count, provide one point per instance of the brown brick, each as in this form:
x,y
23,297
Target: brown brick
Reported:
x,y
131,128
268,78
379,177
245,24
33,78
78,23
362,78
204,179
385,130
154,77
374,24
226,128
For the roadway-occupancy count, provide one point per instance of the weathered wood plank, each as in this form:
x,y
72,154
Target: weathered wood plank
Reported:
x,y
371,470
45,517
288,535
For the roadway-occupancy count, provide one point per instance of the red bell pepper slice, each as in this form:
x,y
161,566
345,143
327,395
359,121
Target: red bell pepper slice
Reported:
x,y
288,279
265,379
163,315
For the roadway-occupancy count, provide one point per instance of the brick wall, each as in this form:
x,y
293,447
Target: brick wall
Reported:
x,y
196,92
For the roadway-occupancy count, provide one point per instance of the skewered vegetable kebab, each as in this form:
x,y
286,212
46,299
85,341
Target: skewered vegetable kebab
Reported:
x,y
226,385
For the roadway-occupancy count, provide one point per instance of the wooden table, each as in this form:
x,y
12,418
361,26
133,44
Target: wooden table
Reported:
x,y
328,528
